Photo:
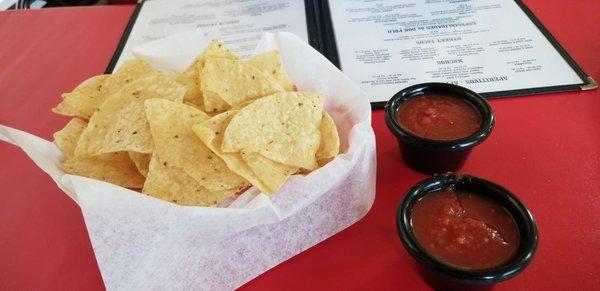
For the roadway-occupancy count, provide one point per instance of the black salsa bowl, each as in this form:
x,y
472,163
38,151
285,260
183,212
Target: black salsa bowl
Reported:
x,y
435,156
442,276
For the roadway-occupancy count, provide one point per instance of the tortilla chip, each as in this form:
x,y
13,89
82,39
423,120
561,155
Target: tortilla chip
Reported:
x,y
270,62
115,168
176,145
65,109
216,49
66,139
330,141
174,185
211,133
283,127
190,79
120,124
128,72
235,82
84,99
191,76
213,103
272,174
141,161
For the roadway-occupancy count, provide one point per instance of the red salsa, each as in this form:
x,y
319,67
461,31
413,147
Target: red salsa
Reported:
x,y
465,230
439,117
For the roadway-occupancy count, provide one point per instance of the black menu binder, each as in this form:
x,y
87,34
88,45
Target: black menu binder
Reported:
x,y
322,36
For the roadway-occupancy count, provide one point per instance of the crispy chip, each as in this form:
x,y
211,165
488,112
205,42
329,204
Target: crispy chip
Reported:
x,y
211,133
270,62
141,161
191,76
63,108
128,72
272,174
235,82
174,185
283,127
120,124
84,99
191,80
214,103
115,168
216,49
176,145
66,139
330,141
89,95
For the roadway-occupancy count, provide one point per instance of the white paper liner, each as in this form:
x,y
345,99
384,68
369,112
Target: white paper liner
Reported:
x,y
142,243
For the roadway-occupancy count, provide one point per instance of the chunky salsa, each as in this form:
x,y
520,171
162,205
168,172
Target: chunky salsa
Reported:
x,y
465,230
438,117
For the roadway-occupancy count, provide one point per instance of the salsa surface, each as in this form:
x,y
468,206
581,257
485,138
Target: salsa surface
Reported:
x,y
438,117
465,230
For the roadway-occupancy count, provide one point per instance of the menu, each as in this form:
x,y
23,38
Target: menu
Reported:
x,y
485,45
494,47
237,23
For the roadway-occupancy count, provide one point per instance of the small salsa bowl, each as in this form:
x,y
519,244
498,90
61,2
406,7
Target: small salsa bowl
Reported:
x,y
443,276
437,156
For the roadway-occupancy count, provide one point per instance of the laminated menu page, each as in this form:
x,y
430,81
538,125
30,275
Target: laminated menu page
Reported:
x,y
495,47
239,24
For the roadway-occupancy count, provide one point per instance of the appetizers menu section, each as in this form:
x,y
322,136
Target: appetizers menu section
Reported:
x,y
485,45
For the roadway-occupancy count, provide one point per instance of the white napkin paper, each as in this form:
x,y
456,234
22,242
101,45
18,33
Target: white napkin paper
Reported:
x,y
142,243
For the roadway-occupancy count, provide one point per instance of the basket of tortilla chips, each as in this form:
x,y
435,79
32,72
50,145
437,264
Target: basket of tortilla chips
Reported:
x,y
209,176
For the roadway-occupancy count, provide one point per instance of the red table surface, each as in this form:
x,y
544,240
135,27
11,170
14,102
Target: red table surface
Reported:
x,y
546,149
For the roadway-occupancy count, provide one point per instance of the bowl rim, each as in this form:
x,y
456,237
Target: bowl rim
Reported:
x,y
527,229
475,99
